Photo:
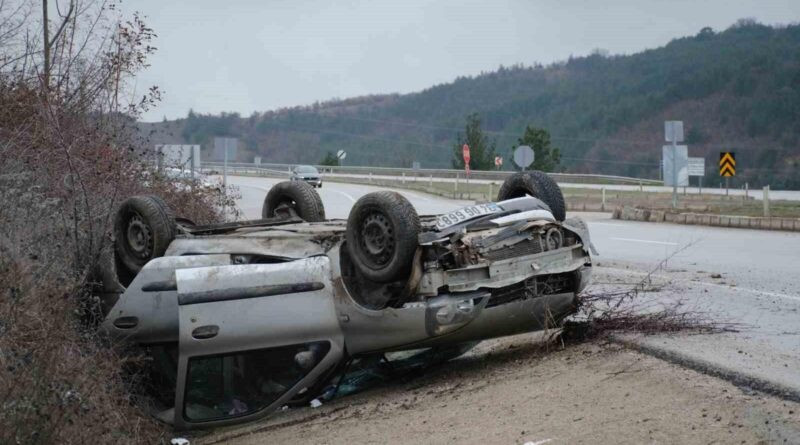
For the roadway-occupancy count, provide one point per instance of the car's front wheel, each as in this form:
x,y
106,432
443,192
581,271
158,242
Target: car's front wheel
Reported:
x,y
382,232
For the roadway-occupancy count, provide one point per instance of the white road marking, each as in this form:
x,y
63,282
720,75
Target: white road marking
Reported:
x,y
539,442
346,195
633,240
704,283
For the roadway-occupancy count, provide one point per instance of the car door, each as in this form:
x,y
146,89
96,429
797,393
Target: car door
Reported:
x,y
251,337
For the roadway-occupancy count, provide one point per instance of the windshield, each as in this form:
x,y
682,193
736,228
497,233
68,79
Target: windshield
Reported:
x,y
306,169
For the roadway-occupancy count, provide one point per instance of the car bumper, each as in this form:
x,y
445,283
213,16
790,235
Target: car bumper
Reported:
x,y
315,182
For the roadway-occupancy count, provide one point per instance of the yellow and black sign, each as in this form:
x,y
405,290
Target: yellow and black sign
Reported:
x,y
727,163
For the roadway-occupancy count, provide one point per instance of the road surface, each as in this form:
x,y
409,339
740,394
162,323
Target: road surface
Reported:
x,y
749,278
337,197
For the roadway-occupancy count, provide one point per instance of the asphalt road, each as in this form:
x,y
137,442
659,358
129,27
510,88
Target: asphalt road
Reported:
x,y
748,278
337,197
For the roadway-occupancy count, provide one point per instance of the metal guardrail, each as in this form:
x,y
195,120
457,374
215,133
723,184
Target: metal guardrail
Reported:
x,y
285,170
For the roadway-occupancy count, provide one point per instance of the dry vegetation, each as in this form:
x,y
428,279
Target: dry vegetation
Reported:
x,y
68,156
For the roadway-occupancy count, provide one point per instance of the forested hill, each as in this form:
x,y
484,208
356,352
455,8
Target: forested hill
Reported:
x,y
737,90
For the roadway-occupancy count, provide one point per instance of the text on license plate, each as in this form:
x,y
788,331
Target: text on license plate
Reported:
x,y
465,213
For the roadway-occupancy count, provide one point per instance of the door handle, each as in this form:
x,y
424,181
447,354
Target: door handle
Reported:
x,y
204,332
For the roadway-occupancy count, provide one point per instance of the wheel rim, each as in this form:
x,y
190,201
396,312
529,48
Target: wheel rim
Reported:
x,y
377,241
139,237
285,208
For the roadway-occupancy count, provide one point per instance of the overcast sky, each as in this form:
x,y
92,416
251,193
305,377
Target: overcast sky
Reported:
x,y
257,55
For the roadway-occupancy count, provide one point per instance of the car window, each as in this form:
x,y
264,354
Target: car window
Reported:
x,y
244,382
306,169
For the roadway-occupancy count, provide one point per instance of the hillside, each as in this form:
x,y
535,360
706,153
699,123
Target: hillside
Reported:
x,y
738,90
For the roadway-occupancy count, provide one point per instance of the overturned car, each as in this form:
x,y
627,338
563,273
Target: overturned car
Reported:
x,y
242,318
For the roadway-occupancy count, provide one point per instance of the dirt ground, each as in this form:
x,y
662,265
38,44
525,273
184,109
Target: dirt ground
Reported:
x,y
512,391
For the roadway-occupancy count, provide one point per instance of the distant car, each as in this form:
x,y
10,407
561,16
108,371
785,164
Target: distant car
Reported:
x,y
308,174
243,318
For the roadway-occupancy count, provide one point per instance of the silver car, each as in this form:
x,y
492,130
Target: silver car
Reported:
x,y
242,318
308,174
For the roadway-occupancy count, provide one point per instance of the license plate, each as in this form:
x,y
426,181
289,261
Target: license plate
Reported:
x,y
465,213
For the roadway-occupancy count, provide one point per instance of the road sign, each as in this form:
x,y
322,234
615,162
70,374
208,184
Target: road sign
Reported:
x,y
727,163
676,160
341,154
225,148
465,153
415,165
498,161
184,157
523,156
697,166
673,131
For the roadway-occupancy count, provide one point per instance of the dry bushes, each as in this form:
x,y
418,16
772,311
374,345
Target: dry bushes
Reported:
x,y
69,154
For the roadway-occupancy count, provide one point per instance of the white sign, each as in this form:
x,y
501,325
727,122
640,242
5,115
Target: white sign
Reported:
x,y
697,166
225,149
341,154
523,156
679,161
183,157
673,131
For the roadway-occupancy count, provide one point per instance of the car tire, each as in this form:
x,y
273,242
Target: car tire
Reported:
x,y
381,235
144,226
537,184
297,196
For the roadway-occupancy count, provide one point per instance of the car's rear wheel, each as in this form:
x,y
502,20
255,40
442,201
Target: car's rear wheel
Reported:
x,y
537,184
382,232
293,197
144,226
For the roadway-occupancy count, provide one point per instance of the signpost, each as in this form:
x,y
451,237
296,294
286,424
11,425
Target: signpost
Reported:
x,y
727,167
673,132
341,154
498,162
465,154
178,156
697,167
228,147
524,156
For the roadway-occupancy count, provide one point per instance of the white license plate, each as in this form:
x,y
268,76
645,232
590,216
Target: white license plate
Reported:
x,y
465,213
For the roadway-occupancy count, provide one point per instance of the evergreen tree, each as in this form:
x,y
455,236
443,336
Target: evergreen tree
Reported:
x,y
330,159
481,149
546,158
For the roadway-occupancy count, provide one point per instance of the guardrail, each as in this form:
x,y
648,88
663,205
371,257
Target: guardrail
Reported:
x,y
285,170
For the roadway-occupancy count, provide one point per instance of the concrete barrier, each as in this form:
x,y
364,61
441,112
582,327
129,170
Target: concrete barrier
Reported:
x,y
744,222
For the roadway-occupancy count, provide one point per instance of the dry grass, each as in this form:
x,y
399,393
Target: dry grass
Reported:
x,y
69,154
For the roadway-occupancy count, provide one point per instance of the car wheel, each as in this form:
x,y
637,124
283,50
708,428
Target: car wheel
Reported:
x,y
537,184
287,197
381,235
144,226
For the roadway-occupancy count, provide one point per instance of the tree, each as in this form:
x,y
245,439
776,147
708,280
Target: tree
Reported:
x,y
481,149
546,157
330,159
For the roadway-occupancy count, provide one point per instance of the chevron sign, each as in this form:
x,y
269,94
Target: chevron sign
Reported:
x,y
727,163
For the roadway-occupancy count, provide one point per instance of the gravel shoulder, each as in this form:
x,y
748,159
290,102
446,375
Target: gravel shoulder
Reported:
x,y
512,390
